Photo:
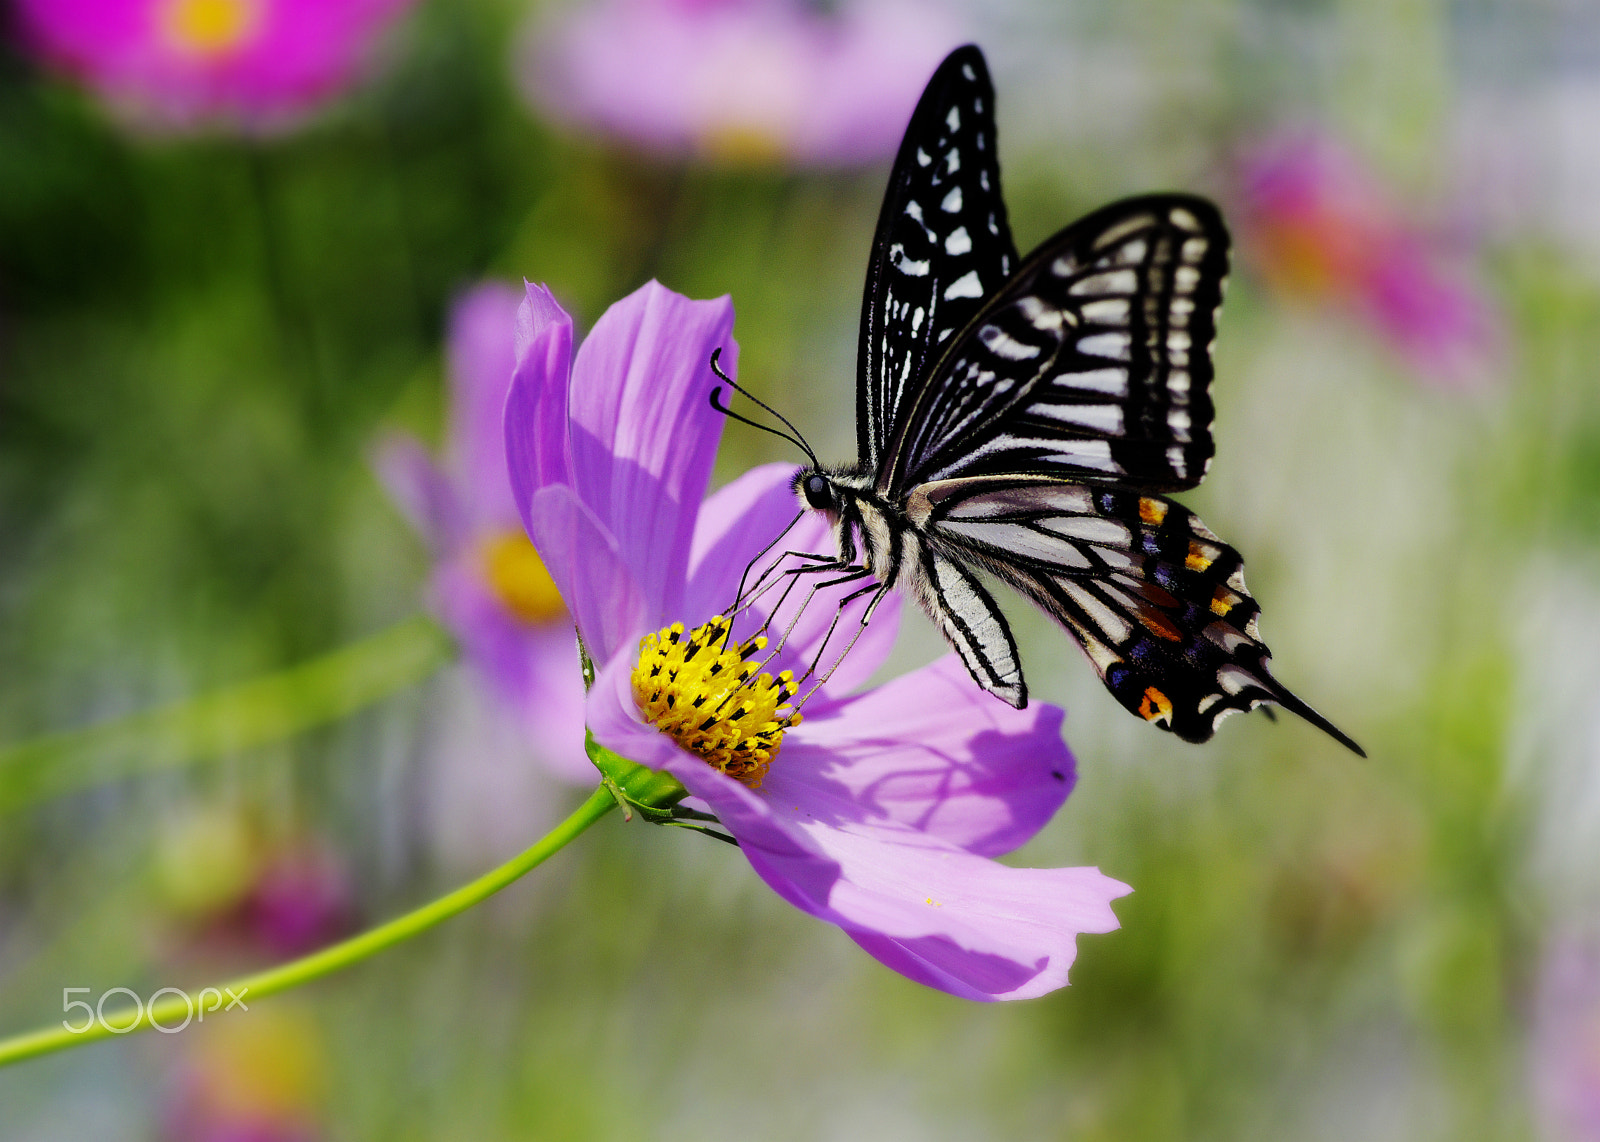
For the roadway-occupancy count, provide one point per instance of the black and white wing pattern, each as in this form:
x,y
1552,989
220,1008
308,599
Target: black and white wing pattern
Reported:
x,y
1155,598
1022,417
942,245
1092,362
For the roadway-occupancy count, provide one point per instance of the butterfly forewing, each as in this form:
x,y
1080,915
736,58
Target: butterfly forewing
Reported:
x,y
1093,362
942,245
1156,599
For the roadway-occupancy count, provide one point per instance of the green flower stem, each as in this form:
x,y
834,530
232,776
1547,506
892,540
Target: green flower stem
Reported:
x,y
172,1009
257,712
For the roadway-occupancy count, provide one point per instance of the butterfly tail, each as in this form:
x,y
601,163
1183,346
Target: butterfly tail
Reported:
x,y
1282,697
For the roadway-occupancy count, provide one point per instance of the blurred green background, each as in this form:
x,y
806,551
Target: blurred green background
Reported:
x,y
202,337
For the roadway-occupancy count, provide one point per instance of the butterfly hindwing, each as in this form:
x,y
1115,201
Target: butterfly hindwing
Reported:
x,y
942,246
970,620
1093,362
1155,598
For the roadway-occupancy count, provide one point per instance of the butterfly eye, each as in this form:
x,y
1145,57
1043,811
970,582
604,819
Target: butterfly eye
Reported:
x,y
819,493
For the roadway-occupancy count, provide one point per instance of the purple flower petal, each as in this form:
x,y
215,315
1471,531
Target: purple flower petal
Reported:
x,y
1034,911
423,494
643,435
931,750
983,930
583,558
482,343
536,445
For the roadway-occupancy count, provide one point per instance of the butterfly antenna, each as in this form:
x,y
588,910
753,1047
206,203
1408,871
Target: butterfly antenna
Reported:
x,y
792,436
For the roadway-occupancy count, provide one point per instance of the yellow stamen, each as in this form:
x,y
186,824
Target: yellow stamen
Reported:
x,y
209,28
518,576
700,690
742,145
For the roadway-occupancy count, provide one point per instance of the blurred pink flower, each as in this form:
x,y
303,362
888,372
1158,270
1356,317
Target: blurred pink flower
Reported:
x,y
488,584
233,891
742,80
1565,1052
301,901
258,1078
1319,225
886,808
253,65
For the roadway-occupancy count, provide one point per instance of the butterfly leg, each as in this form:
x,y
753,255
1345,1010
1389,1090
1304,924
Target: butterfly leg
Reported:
x,y
882,591
850,575
766,581
750,566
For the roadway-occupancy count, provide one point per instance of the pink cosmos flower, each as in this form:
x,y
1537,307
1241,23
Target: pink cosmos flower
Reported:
x,y
489,586
257,65
1565,1052
879,811
742,80
1320,225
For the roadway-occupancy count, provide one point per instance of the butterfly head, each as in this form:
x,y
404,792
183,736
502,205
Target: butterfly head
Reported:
x,y
817,491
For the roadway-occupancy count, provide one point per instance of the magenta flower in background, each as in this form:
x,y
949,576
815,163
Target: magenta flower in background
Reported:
x,y
489,586
252,65
741,80
1319,225
1564,1055
879,811
230,890
302,900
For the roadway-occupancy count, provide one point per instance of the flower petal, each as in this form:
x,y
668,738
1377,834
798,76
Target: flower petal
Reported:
x,y
536,446
1036,911
423,494
482,348
939,914
643,435
931,750
735,523
582,558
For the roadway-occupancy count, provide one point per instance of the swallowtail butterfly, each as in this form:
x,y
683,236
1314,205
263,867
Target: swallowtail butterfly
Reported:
x,y
1022,416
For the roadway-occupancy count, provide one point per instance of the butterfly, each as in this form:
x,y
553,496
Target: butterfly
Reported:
x,y
1021,417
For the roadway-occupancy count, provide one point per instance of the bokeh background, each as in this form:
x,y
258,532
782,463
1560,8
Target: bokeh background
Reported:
x,y
221,293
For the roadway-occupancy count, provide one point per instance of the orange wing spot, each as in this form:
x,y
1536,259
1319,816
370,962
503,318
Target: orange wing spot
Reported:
x,y
1159,625
1152,512
1200,556
1223,601
1155,706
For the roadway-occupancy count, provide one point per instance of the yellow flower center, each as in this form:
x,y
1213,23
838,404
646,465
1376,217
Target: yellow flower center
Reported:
x,y
208,28
518,577
700,690
744,145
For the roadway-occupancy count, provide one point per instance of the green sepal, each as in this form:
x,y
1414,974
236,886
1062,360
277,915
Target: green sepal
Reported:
x,y
653,792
